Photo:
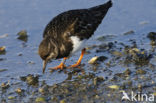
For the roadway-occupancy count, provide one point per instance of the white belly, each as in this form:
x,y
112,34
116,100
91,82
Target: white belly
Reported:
x,y
77,44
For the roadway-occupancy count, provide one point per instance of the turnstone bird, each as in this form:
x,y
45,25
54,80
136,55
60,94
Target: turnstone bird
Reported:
x,y
67,33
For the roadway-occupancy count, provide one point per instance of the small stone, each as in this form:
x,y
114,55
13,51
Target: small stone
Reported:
x,y
139,86
32,80
109,95
153,43
41,90
134,50
152,36
22,35
62,101
116,53
143,22
19,54
140,71
114,87
1,59
11,97
31,62
18,90
129,83
153,82
2,50
127,72
96,80
2,70
97,97
105,37
5,85
129,32
93,60
40,99
54,99
23,78
3,36
102,58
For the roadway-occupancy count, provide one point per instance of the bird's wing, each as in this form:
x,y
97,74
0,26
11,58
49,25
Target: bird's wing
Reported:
x,y
83,25
79,23
70,29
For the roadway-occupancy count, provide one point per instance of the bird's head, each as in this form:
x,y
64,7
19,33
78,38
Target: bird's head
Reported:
x,y
47,51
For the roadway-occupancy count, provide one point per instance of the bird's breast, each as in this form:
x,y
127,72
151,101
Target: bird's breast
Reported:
x,y
77,44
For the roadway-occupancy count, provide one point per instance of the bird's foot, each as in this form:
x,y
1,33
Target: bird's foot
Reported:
x,y
75,65
61,66
79,60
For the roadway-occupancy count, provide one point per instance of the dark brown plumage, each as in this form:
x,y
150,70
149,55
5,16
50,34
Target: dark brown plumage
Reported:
x,y
80,23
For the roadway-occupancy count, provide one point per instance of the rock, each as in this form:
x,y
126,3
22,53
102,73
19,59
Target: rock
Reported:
x,y
22,35
96,80
2,50
116,53
102,58
32,80
54,98
105,37
97,97
136,56
11,97
143,22
93,60
62,101
153,43
23,78
19,54
31,62
133,51
3,36
104,47
116,87
2,70
18,90
41,90
140,87
91,47
40,99
97,59
129,32
140,71
1,59
127,72
5,85
152,36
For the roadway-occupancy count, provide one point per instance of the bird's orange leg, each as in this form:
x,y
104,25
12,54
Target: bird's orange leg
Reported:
x,y
61,65
79,60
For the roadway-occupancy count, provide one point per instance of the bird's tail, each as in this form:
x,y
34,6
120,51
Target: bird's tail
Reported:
x,y
103,7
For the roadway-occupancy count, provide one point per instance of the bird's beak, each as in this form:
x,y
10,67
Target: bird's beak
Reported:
x,y
44,65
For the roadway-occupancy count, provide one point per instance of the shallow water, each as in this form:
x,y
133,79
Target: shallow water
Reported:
x,y
33,15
